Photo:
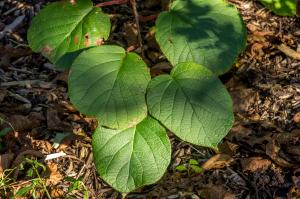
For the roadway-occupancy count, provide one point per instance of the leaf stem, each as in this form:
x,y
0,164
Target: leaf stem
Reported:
x,y
113,2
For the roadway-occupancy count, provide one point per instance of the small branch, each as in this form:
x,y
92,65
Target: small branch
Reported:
x,y
136,16
289,52
113,2
11,27
144,19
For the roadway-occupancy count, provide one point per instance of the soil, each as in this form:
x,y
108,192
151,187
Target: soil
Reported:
x,y
259,158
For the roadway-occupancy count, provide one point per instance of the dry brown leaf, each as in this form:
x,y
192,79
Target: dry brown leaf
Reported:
x,y
216,192
131,34
296,117
23,123
57,193
218,161
272,150
55,177
55,123
5,161
255,164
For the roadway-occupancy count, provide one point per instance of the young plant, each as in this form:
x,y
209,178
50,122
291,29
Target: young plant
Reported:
x,y
131,148
282,7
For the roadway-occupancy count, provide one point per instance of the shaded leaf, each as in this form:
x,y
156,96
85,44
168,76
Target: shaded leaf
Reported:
x,y
208,32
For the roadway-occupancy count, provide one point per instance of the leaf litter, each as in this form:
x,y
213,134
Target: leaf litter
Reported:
x,y
259,158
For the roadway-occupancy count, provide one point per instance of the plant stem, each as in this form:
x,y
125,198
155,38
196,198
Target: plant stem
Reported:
x,y
298,8
136,16
42,182
113,2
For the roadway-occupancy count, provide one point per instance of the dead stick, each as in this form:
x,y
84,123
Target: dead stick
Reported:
x,y
288,51
113,2
136,16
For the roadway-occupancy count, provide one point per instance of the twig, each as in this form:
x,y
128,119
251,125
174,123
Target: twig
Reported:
x,y
288,51
19,97
25,83
11,27
147,18
113,2
136,16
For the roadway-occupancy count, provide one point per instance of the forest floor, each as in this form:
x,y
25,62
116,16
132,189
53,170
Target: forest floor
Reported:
x,y
259,158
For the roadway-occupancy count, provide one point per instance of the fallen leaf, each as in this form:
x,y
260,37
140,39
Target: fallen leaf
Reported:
x,y
55,123
131,34
255,164
55,177
218,161
272,150
57,193
216,192
5,161
23,123
296,117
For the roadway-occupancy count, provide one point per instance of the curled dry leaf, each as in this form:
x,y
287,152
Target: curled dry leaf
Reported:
x,y
217,162
55,177
57,193
296,117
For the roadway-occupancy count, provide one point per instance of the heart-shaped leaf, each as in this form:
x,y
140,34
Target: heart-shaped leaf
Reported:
x,y
128,159
208,32
192,103
110,84
281,7
63,27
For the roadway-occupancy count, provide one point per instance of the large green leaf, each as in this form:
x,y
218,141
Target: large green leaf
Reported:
x,y
281,7
208,32
110,84
192,103
128,159
63,27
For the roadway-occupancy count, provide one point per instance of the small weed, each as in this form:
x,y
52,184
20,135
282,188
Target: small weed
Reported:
x,y
191,166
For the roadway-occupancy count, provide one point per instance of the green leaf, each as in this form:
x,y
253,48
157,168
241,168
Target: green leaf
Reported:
x,y
5,131
196,168
208,32
193,162
66,61
110,84
281,7
63,27
192,103
23,191
181,168
128,159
